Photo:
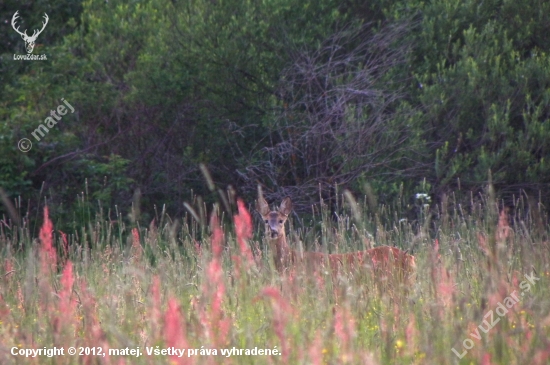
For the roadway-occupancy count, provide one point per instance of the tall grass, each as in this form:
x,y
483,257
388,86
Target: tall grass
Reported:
x,y
206,286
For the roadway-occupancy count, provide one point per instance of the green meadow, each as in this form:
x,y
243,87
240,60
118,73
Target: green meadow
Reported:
x,y
185,291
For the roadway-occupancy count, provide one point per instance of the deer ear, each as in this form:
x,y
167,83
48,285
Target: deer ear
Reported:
x,y
286,206
262,207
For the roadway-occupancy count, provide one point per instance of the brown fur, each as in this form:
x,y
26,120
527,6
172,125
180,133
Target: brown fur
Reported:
x,y
384,261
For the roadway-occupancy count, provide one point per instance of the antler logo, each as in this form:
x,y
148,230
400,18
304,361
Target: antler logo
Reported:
x,y
29,41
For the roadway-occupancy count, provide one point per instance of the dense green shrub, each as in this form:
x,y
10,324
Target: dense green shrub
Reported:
x,y
297,95
481,75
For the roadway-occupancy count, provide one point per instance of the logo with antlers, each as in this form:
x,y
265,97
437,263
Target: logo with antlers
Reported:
x,y
29,41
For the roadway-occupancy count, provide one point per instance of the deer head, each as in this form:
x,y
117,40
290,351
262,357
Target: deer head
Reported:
x,y
274,220
29,41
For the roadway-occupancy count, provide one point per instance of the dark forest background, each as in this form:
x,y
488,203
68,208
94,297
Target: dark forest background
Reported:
x,y
305,97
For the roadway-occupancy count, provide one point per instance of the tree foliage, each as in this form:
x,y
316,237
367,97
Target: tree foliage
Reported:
x,y
482,75
298,95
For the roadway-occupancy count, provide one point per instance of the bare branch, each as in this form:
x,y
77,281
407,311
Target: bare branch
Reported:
x,y
339,116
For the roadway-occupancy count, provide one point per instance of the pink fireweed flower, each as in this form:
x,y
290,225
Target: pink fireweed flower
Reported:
x,y
48,256
219,326
174,331
344,328
486,359
136,246
243,228
445,286
213,292
541,356
67,307
215,277
4,309
442,279
316,351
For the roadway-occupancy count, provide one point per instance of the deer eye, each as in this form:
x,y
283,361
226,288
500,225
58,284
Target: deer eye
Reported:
x,y
266,221
281,221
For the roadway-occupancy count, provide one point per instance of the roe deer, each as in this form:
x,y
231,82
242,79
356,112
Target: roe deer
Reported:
x,y
382,261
